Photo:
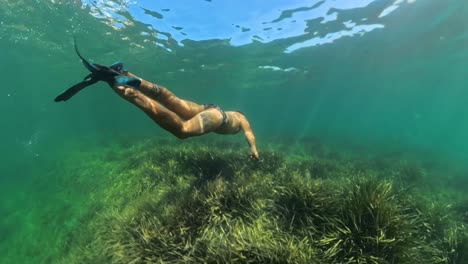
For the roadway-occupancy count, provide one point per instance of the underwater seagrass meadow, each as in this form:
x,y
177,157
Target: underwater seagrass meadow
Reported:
x,y
359,108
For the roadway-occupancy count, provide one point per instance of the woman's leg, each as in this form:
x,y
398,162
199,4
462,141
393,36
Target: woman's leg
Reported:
x,y
158,113
202,123
184,108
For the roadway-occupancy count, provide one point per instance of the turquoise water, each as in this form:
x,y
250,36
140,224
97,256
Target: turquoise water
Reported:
x,y
400,83
385,75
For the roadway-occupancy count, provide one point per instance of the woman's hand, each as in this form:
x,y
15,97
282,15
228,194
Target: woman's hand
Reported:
x,y
254,156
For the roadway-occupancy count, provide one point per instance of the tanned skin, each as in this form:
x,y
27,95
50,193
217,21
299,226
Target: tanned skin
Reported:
x,y
184,118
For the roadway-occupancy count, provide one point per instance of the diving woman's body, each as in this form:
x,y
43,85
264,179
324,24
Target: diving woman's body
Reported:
x,y
180,117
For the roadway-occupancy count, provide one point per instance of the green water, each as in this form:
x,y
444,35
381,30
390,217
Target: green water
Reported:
x,y
400,87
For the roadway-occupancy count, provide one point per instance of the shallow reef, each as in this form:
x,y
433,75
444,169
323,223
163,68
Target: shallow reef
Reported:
x,y
164,201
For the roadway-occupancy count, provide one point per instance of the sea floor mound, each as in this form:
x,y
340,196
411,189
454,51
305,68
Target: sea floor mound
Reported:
x,y
167,202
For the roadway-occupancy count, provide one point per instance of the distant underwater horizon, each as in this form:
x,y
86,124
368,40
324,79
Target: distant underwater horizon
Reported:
x,y
358,108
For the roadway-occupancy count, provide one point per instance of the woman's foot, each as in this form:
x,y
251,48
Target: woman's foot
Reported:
x,y
127,81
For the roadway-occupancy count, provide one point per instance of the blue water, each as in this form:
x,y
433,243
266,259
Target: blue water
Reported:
x,y
327,68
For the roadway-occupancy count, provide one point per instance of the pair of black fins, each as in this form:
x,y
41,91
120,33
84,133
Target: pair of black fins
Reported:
x,y
98,73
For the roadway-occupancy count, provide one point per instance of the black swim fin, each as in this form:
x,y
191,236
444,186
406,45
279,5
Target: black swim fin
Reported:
x,y
98,73
92,68
70,92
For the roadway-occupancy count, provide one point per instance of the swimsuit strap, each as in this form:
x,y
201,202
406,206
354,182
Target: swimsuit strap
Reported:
x,y
224,122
